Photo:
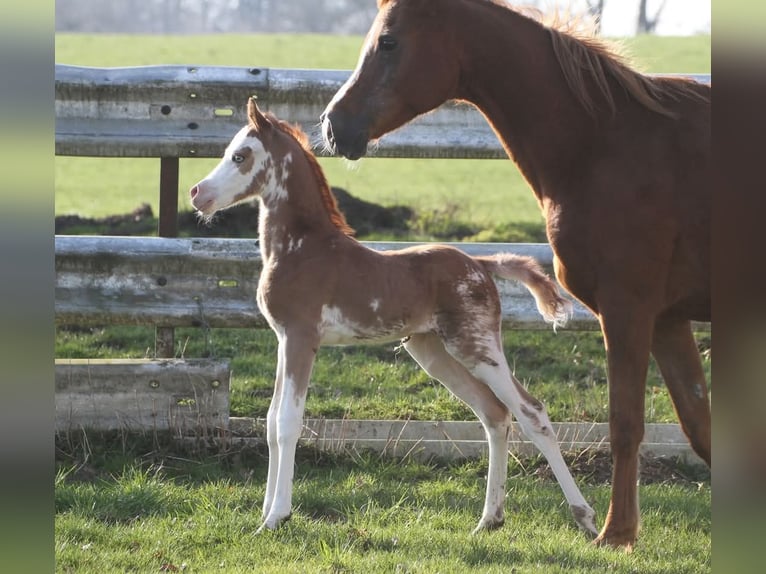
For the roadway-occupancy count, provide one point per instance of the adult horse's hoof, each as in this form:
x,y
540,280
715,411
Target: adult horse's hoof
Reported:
x,y
617,541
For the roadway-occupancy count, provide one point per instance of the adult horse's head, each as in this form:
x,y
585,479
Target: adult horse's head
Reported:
x,y
408,66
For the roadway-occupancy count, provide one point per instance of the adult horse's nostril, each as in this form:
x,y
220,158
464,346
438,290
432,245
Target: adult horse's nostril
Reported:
x,y
194,191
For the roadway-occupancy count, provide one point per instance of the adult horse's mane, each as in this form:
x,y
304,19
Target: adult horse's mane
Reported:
x,y
589,62
585,59
328,198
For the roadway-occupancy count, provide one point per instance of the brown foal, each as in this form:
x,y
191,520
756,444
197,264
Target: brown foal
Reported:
x,y
319,286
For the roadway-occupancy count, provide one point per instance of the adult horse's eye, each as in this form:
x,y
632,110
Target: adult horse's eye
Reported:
x,y
237,158
386,43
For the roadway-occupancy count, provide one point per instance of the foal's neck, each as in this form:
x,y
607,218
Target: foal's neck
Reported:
x,y
293,215
510,72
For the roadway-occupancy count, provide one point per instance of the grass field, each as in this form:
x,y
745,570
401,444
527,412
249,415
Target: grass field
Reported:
x,y
135,508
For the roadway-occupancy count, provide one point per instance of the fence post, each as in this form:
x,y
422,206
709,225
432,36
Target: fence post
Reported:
x,y
164,343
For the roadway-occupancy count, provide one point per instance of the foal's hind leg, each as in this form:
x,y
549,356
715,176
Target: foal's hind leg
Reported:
x,y
493,370
676,353
428,350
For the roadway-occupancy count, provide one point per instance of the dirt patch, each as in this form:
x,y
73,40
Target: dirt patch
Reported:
x,y
239,221
596,468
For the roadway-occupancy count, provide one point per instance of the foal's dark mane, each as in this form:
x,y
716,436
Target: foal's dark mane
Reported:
x,y
328,198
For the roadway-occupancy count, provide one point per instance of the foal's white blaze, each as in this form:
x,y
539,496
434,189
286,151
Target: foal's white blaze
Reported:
x,y
227,181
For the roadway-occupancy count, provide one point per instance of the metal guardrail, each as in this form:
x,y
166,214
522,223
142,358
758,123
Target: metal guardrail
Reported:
x,y
190,111
212,282
171,112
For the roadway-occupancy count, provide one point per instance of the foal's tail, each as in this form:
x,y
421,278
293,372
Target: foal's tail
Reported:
x,y
552,306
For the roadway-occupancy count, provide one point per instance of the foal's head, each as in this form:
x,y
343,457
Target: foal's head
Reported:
x,y
258,163
254,164
408,66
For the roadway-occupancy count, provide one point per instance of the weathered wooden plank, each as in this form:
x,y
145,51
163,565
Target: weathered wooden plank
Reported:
x,y
190,111
456,439
212,282
156,281
187,396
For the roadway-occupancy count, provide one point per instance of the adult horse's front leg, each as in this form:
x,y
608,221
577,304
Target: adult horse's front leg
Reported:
x,y
296,360
627,333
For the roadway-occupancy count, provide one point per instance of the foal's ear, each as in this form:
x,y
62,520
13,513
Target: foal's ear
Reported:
x,y
256,117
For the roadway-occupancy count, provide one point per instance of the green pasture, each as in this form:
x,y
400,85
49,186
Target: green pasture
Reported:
x,y
136,508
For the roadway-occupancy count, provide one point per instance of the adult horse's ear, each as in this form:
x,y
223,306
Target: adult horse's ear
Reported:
x,y
256,117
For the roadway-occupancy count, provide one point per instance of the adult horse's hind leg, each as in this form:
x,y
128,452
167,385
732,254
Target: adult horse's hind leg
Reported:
x,y
676,354
429,352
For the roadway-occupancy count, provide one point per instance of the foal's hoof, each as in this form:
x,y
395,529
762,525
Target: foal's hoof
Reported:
x,y
272,523
487,525
585,517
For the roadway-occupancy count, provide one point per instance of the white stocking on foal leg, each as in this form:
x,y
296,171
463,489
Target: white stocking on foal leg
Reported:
x,y
271,434
296,357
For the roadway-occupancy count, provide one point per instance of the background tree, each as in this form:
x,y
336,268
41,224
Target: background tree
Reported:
x,y
645,24
596,10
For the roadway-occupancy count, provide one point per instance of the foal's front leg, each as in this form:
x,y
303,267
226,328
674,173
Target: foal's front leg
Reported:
x,y
271,432
284,422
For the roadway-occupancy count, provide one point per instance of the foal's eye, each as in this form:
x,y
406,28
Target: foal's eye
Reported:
x,y
386,42
237,158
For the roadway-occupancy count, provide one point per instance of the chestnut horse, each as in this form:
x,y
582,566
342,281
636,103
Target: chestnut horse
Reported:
x,y
620,164
320,286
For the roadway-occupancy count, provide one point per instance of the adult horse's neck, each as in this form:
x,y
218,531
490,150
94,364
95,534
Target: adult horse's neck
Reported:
x,y
510,72
294,214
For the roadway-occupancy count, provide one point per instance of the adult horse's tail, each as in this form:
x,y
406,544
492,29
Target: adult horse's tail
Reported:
x,y
552,306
